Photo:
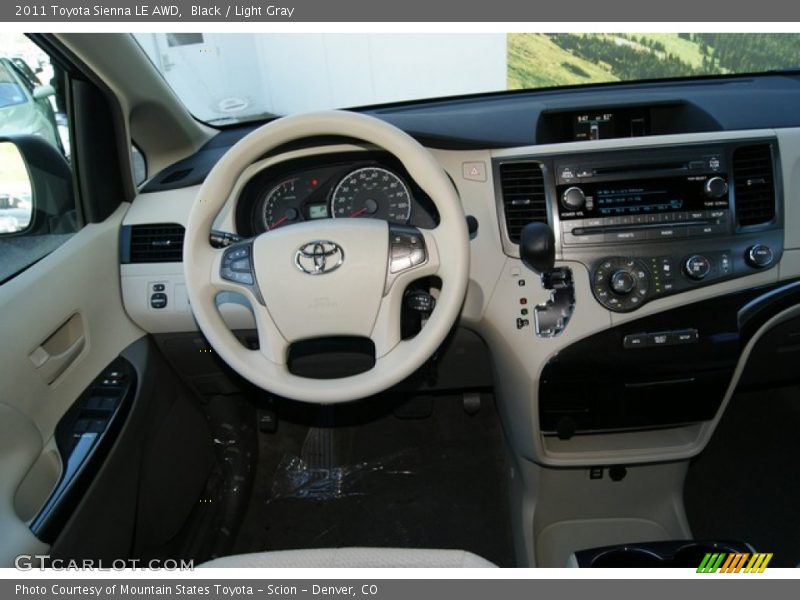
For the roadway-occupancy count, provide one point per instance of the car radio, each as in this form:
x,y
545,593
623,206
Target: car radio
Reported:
x,y
659,221
678,196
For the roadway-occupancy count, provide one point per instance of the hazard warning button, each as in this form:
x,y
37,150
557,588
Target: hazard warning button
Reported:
x,y
474,171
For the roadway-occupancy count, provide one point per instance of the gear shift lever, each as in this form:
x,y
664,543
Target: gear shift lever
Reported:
x,y
537,249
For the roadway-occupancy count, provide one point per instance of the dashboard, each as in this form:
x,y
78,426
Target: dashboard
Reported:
x,y
677,235
350,186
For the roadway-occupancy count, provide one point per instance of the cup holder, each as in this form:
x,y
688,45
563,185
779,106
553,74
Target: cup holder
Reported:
x,y
680,553
627,558
691,555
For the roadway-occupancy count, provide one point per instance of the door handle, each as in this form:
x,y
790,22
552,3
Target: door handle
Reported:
x,y
52,357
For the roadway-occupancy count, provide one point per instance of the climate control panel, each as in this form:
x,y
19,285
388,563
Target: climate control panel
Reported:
x,y
623,284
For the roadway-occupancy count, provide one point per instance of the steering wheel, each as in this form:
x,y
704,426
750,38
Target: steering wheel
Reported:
x,y
328,277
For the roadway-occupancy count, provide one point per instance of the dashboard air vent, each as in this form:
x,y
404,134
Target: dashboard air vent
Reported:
x,y
156,243
754,185
522,186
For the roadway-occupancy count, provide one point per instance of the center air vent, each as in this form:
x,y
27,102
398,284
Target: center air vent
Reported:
x,y
155,243
754,185
522,186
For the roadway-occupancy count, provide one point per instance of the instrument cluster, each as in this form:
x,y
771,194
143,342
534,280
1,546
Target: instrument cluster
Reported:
x,y
373,188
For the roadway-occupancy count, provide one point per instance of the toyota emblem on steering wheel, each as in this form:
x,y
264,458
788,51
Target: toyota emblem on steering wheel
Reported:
x,y
319,257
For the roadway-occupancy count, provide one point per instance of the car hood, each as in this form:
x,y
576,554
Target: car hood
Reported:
x,y
17,118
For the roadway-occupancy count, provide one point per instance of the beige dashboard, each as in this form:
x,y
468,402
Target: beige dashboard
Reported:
x,y
493,296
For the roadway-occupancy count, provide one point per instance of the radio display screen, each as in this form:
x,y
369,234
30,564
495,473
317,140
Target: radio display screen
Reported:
x,y
644,196
637,200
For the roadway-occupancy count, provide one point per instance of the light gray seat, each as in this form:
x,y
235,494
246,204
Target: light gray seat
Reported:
x,y
353,558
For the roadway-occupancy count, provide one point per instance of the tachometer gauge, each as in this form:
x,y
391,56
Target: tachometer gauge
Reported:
x,y
282,203
372,192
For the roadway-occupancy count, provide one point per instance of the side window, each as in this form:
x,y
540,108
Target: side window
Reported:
x,y
37,205
138,165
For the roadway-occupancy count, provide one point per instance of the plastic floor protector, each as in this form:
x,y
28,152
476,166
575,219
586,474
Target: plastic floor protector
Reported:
x,y
383,481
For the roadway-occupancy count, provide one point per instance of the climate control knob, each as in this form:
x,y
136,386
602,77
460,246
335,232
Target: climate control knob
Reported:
x,y
622,282
573,198
759,256
716,187
697,267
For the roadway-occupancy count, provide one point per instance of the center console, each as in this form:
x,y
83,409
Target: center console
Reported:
x,y
656,222
647,224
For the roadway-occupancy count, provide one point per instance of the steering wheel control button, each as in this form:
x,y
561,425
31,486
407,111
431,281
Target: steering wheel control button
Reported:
x,y
243,278
158,300
242,265
236,265
759,256
697,267
237,253
417,257
407,250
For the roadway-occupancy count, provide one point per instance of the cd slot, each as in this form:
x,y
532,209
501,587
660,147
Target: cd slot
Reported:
x,y
655,167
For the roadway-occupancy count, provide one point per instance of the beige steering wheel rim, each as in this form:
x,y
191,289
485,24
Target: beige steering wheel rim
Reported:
x,y
448,259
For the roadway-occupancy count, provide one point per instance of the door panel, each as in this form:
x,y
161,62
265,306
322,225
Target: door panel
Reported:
x,y
63,322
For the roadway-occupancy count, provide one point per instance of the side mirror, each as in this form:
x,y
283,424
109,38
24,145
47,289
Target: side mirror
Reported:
x,y
36,191
16,195
43,91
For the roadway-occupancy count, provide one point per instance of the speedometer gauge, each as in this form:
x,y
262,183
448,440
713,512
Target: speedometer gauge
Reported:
x,y
372,192
282,203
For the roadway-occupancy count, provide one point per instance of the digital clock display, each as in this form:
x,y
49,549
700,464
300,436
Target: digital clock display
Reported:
x,y
594,126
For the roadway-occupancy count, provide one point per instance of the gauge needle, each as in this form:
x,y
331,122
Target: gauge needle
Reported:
x,y
279,222
358,213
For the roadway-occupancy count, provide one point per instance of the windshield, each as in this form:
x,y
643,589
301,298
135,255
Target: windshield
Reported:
x,y
228,78
10,91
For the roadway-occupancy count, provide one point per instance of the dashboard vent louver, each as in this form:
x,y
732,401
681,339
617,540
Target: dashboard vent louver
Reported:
x,y
754,185
156,243
522,186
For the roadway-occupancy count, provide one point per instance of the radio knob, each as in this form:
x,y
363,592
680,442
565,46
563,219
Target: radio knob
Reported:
x,y
759,256
622,282
697,267
716,187
573,198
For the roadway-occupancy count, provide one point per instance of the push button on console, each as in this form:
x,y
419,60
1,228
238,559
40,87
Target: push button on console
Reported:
x,y
697,267
759,256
